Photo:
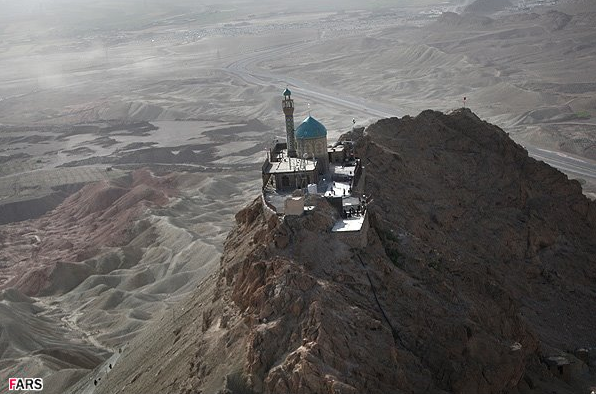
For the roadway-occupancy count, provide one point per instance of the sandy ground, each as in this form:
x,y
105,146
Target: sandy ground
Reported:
x,y
88,93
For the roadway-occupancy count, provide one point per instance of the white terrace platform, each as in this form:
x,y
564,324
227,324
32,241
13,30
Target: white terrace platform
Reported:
x,y
349,224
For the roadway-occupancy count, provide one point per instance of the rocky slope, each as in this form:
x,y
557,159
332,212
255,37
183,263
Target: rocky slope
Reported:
x,y
37,253
480,265
102,265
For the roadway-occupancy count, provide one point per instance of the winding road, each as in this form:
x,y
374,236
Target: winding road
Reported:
x,y
575,167
248,70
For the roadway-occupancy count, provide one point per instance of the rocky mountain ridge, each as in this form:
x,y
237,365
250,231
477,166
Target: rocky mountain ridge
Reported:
x,y
478,273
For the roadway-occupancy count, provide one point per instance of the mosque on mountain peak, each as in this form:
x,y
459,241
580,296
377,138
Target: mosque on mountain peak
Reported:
x,y
306,164
305,157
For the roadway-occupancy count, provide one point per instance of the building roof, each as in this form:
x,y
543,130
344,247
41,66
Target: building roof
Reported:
x,y
310,128
287,92
290,165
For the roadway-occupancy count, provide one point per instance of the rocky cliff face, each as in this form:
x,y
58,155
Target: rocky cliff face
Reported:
x,y
502,245
480,265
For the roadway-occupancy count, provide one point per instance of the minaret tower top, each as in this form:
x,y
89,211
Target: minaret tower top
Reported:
x,y
288,108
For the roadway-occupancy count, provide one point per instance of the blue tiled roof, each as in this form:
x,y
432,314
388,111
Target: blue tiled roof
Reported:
x,y
310,128
287,92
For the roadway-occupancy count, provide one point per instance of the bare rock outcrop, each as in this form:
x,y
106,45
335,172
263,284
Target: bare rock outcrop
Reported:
x,y
507,240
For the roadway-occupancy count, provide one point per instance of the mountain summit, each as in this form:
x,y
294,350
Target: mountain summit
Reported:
x,y
478,277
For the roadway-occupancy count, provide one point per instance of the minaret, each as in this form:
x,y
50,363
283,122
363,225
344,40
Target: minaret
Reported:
x,y
288,107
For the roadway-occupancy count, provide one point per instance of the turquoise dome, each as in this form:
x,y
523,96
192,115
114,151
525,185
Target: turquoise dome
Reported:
x,y
287,92
310,128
